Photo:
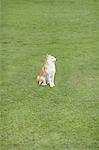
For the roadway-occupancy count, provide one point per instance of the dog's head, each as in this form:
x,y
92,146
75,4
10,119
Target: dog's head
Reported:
x,y
50,58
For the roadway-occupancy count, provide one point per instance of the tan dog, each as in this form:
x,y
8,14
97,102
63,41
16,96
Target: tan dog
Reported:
x,y
47,73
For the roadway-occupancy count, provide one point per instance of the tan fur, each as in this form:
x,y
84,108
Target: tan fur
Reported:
x,y
40,78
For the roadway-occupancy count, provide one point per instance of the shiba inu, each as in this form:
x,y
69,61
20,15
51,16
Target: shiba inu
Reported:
x,y
47,74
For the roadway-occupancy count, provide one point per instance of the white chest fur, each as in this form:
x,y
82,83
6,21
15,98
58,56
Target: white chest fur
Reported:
x,y
51,68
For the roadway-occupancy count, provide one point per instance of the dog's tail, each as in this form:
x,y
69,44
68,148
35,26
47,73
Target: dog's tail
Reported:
x,y
39,80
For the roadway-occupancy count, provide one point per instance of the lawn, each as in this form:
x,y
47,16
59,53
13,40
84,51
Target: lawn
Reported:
x,y
65,117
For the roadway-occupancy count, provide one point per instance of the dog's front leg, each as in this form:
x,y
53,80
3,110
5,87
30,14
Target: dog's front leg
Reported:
x,y
51,82
53,77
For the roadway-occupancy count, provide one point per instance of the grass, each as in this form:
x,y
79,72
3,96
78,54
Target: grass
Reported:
x,y
65,117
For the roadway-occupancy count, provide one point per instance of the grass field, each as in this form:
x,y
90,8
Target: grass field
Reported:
x,y
65,117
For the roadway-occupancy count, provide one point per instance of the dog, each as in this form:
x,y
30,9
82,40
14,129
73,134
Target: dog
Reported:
x,y
47,74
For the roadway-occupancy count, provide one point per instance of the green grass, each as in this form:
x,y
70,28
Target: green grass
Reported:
x,y
65,117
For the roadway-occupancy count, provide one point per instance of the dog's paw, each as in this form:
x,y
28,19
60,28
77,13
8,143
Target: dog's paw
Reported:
x,y
52,85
